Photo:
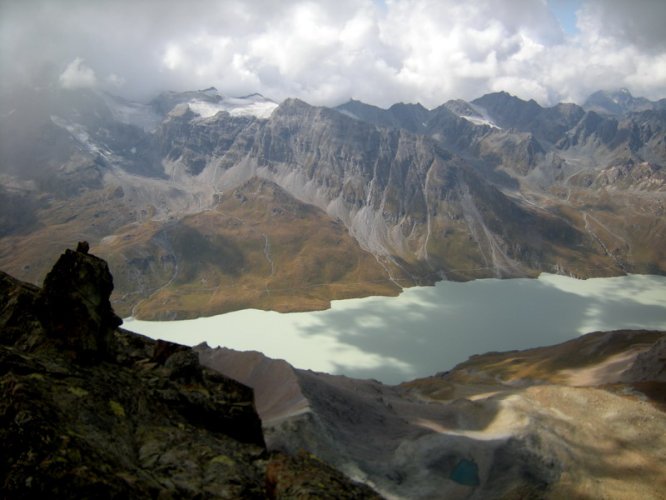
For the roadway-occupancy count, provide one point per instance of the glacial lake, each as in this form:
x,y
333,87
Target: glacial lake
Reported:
x,y
427,330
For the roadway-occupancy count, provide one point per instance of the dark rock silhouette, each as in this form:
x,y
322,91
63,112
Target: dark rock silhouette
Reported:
x,y
75,309
83,247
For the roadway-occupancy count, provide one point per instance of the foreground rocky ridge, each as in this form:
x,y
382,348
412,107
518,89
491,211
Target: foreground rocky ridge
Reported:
x,y
201,206
90,410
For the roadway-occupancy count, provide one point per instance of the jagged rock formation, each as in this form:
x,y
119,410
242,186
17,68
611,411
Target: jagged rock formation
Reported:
x,y
74,305
196,194
583,419
89,410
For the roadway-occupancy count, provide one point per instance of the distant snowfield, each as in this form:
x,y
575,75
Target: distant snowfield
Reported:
x,y
430,329
235,106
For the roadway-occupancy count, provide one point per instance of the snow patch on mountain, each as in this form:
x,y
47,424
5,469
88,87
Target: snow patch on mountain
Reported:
x,y
471,112
253,105
349,114
81,135
479,116
478,120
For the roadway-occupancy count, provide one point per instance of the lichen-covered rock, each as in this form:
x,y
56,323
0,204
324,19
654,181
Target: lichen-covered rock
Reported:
x,y
91,411
17,310
124,428
305,476
111,431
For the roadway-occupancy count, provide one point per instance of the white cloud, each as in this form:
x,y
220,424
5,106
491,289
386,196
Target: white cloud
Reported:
x,y
330,50
77,75
115,81
172,57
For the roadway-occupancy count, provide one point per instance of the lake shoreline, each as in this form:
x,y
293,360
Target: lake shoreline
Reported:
x,y
429,329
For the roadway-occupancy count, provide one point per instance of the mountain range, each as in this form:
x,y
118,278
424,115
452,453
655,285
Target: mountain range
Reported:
x,y
204,204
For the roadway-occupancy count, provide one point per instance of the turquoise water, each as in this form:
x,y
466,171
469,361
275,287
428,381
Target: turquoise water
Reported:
x,y
430,329
465,472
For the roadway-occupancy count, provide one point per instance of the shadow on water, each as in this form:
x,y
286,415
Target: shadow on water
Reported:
x,y
431,329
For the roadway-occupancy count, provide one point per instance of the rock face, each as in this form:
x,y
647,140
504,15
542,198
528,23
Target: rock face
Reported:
x,y
89,410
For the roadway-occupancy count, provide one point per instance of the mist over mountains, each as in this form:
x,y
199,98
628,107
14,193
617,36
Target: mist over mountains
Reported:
x,y
202,203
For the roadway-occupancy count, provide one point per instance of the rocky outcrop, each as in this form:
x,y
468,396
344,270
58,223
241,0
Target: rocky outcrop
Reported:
x,y
90,410
74,307
71,312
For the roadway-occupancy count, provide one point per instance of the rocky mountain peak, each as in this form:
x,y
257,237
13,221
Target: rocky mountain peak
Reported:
x,y
294,104
616,102
509,111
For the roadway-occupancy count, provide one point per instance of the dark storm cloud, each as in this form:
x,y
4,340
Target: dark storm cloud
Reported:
x,y
639,23
330,50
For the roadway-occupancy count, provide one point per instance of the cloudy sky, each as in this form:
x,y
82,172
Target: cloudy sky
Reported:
x,y
328,51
